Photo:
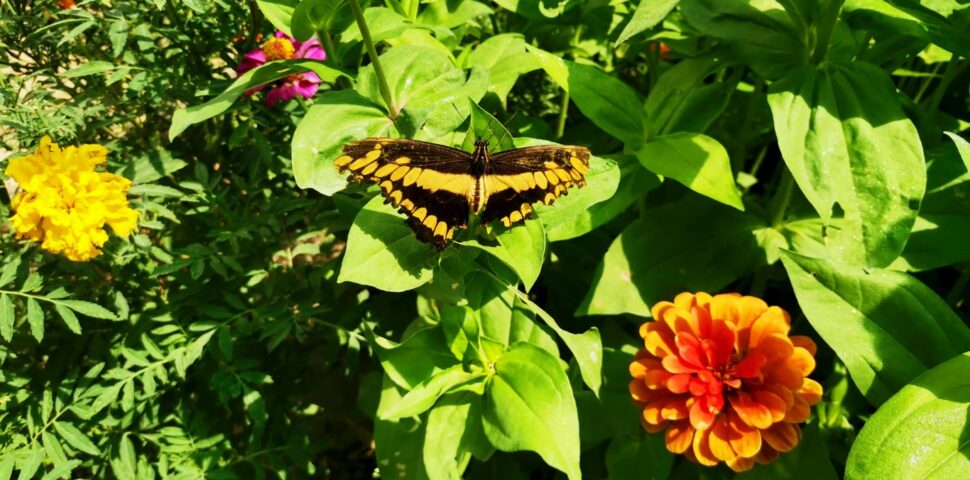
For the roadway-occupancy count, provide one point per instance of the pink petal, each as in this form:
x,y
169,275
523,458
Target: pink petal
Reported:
x,y
250,61
310,49
281,93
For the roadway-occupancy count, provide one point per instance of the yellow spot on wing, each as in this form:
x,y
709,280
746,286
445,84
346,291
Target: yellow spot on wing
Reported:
x,y
540,179
551,165
430,221
408,204
506,222
420,213
515,217
549,199
526,209
342,161
396,196
553,179
575,174
578,164
451,233
412,176
399,173
369,169
441,229
388,186
402,160
385,170
562,175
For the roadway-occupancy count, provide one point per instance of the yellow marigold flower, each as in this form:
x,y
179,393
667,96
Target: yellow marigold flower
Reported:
x,y
278,49
64,203
725,380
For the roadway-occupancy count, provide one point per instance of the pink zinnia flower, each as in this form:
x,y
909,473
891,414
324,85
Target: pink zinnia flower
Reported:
x,y
284,47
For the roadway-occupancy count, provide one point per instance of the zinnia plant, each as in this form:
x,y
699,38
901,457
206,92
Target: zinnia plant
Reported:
x,y
64,203
285,47
725,380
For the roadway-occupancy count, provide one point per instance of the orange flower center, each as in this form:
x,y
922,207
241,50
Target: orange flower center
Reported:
x,y
278,49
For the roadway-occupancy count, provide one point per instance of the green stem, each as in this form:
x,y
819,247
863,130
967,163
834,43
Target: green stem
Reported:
x,y
563,109
953,296
779,204
375,61
953,69
926,83
328,46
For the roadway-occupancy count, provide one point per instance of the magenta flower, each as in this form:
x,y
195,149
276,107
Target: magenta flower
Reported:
x,y
284,47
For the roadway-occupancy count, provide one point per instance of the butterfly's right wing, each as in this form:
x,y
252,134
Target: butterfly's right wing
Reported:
x,y
429,183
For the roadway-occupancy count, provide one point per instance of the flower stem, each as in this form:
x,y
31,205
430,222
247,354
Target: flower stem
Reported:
x,y
374,60
779,204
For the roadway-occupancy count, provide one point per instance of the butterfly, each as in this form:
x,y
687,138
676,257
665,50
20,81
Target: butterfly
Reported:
x,y
438,187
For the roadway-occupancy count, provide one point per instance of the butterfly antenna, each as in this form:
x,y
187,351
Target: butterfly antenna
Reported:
x,y
505,125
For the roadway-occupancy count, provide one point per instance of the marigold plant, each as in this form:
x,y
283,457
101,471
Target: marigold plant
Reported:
x,y
725,380
64,203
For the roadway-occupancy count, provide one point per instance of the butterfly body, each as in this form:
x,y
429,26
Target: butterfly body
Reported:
x,y
439,187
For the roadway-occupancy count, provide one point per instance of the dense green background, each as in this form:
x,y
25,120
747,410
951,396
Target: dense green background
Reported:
x,y
269,320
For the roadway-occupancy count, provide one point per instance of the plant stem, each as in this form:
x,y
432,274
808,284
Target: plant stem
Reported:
x,y
374,60
779,204
563,109
953,296
926,83
953,69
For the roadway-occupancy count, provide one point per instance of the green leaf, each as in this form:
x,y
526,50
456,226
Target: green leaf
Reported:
x,y
8,273
335,118
539,10
607,102
808,461
93,67
761,33
423,396
400,444
35,317
851,149
313,16
684,99
921,430
697,161
648,15
269,72
522,248
416,359
118,34
6,317
278,12
31,462
89,309
382,251
76,438
506,57
484,126
886,326
576,214
529,405
454,433
643,457
909,18
587,348
962,145
69,318
689,245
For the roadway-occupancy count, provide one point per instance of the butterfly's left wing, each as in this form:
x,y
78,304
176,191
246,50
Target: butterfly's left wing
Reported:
x,y
518,178
429,183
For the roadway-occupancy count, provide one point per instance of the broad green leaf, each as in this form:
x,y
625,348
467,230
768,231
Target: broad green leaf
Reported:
x,y
269,72
886,326
424,83
383,23
649,13
939,236
529,405
35,317
423,396
760,32
851,149
506,58
808,461
31,462
93,67
89,309
607,102
963,147
76,438
697,161
524,328
416,359
522,248
69,318
336,118
921,430
8,273
553,65
399,444
454,433
484,126
539,10
382,251
61,470
689,245
908,18
313,16
683,98
452,15
6,317
278,12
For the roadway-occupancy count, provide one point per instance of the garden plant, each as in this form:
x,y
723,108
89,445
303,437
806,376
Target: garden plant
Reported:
x,y
505,239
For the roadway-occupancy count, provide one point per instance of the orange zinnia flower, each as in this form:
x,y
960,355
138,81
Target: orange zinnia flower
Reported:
x,y
725,380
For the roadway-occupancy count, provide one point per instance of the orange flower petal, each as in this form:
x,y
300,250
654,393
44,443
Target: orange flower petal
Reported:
x,y
639,391
745,439
656,378
684,301
658,309
675,410
766,455
775,404
700,418
702,449
677,320
720,440
753,413
658,339
798,412
652,411
811,391
679,436
804,342
679,383
785,374
650,428
782,436
785,394
775,347
741,464
773,320
802,360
